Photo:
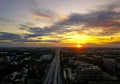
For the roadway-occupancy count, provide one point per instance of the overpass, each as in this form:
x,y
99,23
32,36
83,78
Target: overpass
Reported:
x,y
53,75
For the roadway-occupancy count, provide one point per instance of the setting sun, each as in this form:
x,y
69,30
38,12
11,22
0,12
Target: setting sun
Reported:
x,y
79,45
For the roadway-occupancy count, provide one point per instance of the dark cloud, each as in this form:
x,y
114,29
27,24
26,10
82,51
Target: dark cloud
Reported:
x,y
33,35
9,36
17,38
97,18
26,40
37,31
108,20
112,6
74,18
47,31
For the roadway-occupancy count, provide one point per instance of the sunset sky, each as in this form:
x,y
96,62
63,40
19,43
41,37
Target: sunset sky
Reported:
x,y
58,23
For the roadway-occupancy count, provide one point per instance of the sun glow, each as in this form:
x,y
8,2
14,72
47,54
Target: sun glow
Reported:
x,y
79,45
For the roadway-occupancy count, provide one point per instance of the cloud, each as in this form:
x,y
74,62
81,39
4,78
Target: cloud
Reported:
x,y
97,18
107,19
47,31
9,36
26,40
103,22
112,6
23,26
37,31
42,13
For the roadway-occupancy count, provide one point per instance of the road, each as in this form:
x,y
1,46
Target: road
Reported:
x,y
53,75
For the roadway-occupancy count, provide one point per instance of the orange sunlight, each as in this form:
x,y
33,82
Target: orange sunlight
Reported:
x,y
79,45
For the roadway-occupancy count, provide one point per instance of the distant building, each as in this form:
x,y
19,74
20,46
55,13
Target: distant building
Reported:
x,y
46,57
118,70
89,72
70,73
109,63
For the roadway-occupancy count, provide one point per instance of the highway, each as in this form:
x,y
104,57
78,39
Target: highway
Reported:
x,y
53,75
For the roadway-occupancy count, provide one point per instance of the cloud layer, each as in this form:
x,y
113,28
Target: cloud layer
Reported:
x,y
103,22
107,20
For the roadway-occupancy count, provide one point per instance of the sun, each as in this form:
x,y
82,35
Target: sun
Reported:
x,y
79,45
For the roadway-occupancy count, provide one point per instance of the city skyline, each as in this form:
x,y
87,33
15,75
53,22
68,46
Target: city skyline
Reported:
x,y
59,23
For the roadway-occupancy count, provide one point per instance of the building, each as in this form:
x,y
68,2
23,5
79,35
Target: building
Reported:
x,y
89,72
46,57
109,64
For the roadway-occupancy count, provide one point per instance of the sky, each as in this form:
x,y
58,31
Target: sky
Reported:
x,y
59,23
